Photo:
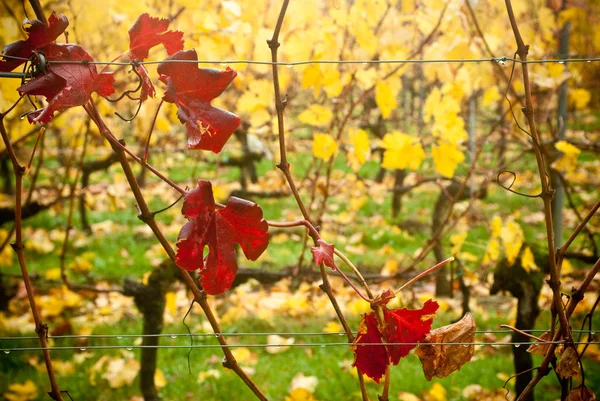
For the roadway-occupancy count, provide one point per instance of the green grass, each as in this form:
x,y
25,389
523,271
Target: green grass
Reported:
x,y
273,373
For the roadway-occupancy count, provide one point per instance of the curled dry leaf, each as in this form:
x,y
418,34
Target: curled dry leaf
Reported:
x,y
384,298
568,366
540,348
581,393
441,360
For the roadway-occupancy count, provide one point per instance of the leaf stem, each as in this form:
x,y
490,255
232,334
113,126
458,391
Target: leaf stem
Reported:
x,y
423,274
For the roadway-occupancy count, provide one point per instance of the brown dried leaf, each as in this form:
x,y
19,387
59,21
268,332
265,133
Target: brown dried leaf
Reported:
x,y
568,366
441,360
540,348
581,393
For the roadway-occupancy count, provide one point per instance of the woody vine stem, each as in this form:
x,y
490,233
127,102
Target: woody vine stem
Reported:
x,y
546,195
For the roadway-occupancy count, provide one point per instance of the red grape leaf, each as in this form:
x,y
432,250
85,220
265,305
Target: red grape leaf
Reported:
x,y
240,222
147,85
323,254
407,326
148,32
371,360
192,89
66,85
401,326
39,35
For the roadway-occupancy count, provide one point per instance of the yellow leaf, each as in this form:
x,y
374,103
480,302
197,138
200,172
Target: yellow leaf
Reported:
x,y
457,240
256,97
409,6
527,260
366,78
580,98
446,157
52,274
121,372
492,252
333,327
385,97
402,151
567,267
324,146
491,96
364,35
361,148
436,393
300,394
432,103
6,254
312,78
496,226
308,383
171,301
211,373
333,81
390,267
244,356
568,161
279,343
512,239
22,392
316,115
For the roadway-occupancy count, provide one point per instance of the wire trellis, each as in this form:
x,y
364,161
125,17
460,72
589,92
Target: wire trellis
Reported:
x,y
499,60
279,345
241,334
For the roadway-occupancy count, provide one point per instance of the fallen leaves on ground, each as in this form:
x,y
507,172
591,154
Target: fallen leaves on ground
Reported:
x,y
21,392
278,343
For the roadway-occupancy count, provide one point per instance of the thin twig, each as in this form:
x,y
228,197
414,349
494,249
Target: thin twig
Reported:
x,y
40,328
524,333
284,166
148,217
547,193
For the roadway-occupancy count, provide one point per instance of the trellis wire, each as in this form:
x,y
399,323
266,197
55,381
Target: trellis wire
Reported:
x,y
499,60
305,345
242,334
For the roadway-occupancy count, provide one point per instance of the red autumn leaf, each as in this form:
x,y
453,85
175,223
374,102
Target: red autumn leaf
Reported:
x,y
147,85
407,326
400,326
384,298
240,222
148,32
66,85
39,35
323,254
192,89
372,360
